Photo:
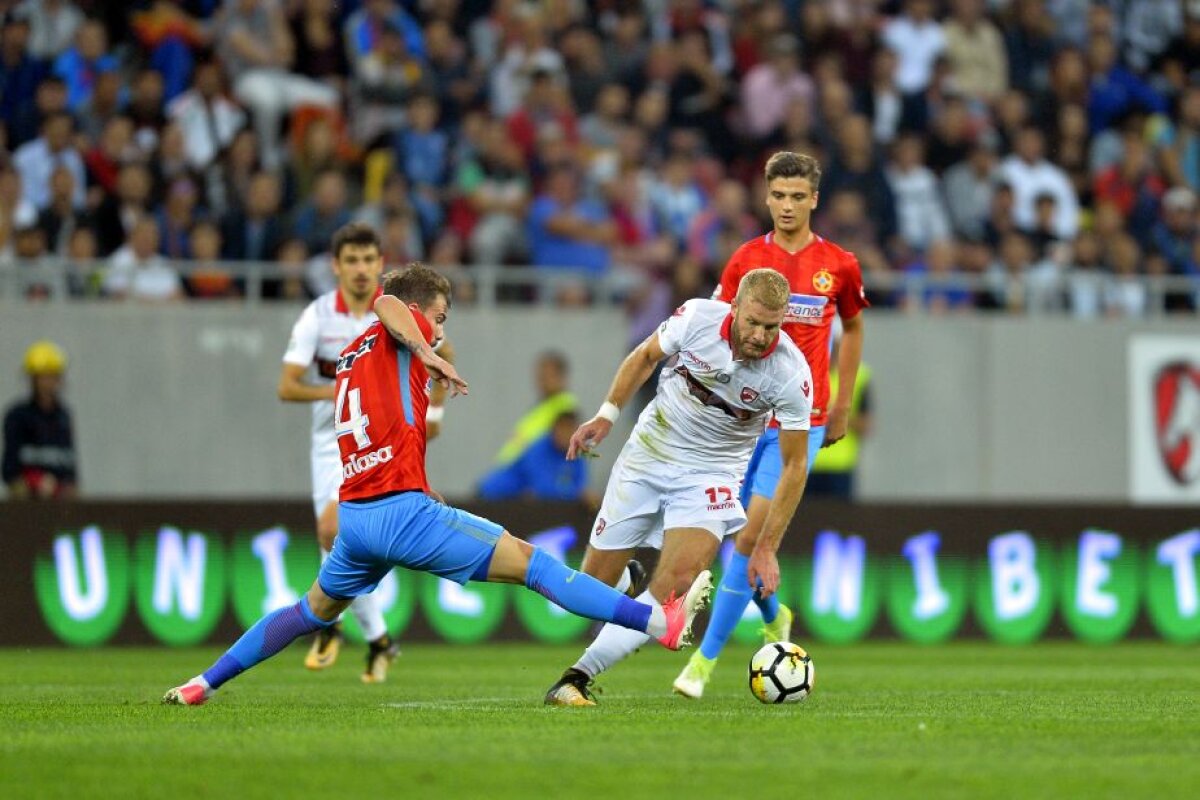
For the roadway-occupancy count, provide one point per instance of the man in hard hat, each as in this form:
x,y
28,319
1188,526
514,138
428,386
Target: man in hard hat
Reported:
x,y
39,446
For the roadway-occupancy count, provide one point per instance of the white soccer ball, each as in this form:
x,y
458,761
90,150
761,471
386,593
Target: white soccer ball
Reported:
x,y
781,672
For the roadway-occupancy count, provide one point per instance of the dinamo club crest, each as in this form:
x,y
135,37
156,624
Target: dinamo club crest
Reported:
x,y
1177,420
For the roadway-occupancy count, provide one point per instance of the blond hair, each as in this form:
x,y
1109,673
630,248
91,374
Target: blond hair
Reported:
x,y
766,286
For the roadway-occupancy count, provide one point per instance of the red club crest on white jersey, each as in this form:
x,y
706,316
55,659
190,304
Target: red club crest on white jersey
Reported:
x,y
748,395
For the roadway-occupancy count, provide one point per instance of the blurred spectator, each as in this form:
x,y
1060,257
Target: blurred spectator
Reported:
x,y
1133,186
917,40
1114,90
975,50
1148,28
256,46
726,219
1086,277
113,148
364,28
206,277
1009,273
136,271
769,88
855,167
317,153
39,460
949,138
37,160
1181,142
450,74
20,72
120,211
551,374
175,220
943,290
52,24
61,217
208,118
542,471
290,285
105,104
325,212
1176,232
81,253
170,35
400,239
1124,294
320,47
544,110
843,218
526,53
1179,63
968,187
82,63
566,230
920,214
26,123
146,108
1029,40
675,198
229,185
699,93
256,232
13,206
495,186
586,68
1029,174
602,128
385,77
423,156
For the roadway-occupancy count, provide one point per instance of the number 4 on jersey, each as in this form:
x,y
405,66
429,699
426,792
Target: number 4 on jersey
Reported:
x,y
356,422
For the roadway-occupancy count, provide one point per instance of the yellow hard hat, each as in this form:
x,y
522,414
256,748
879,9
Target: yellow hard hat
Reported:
x,y
45,358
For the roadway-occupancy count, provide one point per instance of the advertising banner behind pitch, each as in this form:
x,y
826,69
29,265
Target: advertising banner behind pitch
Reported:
x,y
179,574
1164,419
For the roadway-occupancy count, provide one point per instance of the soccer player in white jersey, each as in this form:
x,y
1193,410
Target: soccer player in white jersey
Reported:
x,y
324,329
675,484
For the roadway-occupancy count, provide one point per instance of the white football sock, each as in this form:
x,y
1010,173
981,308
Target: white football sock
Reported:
x,y
369,616
614,643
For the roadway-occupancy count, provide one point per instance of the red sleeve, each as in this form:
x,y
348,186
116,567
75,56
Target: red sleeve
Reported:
x,y
852,297
731,276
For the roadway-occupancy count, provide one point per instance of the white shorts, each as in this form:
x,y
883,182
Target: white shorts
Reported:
x,y
326,477
639,506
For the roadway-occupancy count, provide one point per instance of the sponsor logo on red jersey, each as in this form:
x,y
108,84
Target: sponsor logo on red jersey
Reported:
x,y
1177,420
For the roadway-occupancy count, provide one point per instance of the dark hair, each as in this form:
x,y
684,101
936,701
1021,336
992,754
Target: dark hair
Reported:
x,y
354,233
785,164
416,283
557,358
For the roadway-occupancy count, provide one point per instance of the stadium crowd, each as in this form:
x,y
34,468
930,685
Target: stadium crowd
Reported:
x,y
1049,147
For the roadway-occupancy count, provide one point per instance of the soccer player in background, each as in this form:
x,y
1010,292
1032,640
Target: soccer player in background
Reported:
x,y
323,330
390,517
825,281
674,485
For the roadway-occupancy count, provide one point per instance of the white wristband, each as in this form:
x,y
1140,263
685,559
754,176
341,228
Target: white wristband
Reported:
x,y
435,413
609,411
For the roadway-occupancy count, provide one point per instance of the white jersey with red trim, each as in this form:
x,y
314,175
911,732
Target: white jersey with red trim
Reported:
x,y
323,331
710,408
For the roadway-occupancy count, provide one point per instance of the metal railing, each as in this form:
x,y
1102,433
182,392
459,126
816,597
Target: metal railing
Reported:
x,y
57,279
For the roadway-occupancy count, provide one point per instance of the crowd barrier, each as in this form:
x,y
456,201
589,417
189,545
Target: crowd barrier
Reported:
x,y
94,573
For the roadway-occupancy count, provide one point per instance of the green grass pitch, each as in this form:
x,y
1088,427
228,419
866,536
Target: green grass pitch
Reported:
x,y
886,720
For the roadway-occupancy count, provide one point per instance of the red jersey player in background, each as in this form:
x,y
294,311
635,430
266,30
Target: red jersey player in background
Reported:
x,y
825,281
388,515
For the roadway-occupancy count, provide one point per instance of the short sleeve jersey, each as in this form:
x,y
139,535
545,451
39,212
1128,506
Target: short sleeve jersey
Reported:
x,y
824,279
379,415
318,338
710,408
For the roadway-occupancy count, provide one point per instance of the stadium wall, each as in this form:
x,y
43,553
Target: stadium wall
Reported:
x,y
90,573
179,402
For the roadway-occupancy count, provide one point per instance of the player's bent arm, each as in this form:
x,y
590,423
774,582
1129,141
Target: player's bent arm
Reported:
x,y
764,566
399,322
437,397
849,357
293,389
634,371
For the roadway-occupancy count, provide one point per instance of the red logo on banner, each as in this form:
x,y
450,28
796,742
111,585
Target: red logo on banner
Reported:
x,y
1177,420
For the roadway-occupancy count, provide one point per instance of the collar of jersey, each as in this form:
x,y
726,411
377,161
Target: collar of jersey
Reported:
x,y
727,327
339,302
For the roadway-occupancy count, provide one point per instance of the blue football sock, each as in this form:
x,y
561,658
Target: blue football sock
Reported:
x,y
768,606
732,597
267,637
582,594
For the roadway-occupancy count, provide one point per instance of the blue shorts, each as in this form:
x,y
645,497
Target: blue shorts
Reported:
x,y
766,464
407,530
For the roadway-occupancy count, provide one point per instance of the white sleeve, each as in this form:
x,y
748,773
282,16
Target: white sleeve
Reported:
x,y
302,346
793,406
672,333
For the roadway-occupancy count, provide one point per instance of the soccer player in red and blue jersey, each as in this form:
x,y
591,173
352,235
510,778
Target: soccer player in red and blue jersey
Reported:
x,y
825,282
388,515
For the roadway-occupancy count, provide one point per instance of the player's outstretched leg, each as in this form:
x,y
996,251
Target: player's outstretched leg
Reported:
x,y
265,638
517,561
